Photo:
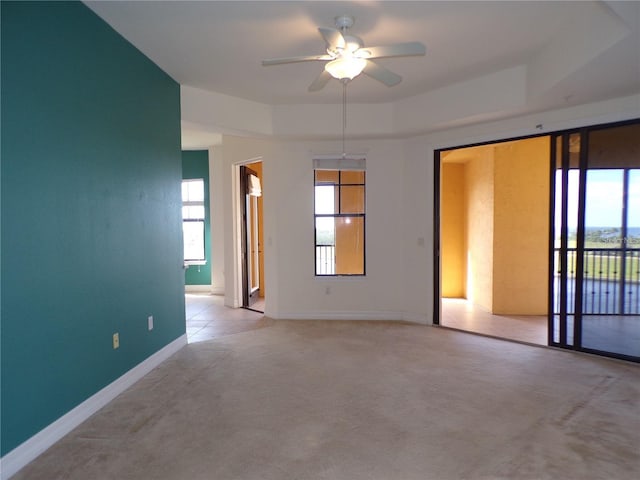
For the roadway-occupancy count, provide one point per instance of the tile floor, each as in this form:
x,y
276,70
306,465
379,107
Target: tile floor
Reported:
x,y
258,305
461,314
208,318
604,333
612,334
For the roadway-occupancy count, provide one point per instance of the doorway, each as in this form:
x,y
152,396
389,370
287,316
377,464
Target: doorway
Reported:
x,y
252,237
494,235
592,200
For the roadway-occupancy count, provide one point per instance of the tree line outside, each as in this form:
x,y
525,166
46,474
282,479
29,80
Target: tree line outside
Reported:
x,y
603,258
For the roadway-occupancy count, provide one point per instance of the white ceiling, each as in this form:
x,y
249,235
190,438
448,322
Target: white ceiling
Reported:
x,y
574,52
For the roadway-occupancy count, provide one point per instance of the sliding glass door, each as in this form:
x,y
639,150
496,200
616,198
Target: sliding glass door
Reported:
x,y
596,281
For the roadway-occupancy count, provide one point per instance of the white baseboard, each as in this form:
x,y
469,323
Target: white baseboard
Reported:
x,y
197,288
210,289
337,315
417,318
215,290
351,315
24,453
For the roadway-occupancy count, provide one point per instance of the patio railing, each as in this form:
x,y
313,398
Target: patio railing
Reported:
x,y
325,260
610,286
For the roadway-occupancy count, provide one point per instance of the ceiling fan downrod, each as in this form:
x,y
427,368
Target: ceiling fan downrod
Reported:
x,y
344,116
344,22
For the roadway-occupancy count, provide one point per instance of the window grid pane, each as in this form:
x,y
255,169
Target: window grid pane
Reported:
x,y
193,215
193,190
193,212
339,222
352,199
352,177
327,176
193,235
325,199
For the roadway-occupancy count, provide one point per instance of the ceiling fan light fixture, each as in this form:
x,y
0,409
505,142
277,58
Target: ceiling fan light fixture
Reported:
x,y
347,57
345,68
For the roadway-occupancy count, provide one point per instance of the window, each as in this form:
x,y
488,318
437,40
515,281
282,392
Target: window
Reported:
x,y
339,216
193,214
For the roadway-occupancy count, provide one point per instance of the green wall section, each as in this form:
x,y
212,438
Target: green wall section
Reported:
x,y
91,219
195,164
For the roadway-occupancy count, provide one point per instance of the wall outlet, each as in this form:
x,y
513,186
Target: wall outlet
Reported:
x,y
327,290
150,322
116,340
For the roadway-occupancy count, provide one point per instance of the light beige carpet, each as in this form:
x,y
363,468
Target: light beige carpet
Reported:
x,y
362,400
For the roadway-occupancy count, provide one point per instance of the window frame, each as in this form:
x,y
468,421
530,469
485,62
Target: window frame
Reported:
x,y
332,165
196,219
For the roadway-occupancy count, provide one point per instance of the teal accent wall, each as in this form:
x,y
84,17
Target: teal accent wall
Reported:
x,y
195,164
91,216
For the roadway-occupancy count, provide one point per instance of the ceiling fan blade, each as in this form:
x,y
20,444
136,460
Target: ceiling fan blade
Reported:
x,y
320,81
381,74
305,58
397,50
333,37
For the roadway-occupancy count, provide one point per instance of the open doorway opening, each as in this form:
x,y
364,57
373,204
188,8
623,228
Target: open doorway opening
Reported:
x,y
252,254
494,239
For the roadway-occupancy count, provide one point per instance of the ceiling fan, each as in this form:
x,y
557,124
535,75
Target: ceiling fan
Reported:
x,y
347,56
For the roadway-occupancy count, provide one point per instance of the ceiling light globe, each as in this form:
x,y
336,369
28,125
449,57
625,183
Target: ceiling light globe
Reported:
x,y
343,68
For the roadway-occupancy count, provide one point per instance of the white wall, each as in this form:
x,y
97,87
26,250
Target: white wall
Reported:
x,y
418,197
293,291
216,200
379,293
210,111
399,229
613,110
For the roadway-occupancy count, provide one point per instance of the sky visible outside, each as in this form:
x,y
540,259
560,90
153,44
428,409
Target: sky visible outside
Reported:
x,y
604,198
325,204
325,199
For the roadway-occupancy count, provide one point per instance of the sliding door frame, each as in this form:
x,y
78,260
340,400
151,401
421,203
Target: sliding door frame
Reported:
x,y
564,135
580,249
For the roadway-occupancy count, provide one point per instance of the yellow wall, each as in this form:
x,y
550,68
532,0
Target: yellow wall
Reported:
x,y
503,254
452,230
521,227
479,227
